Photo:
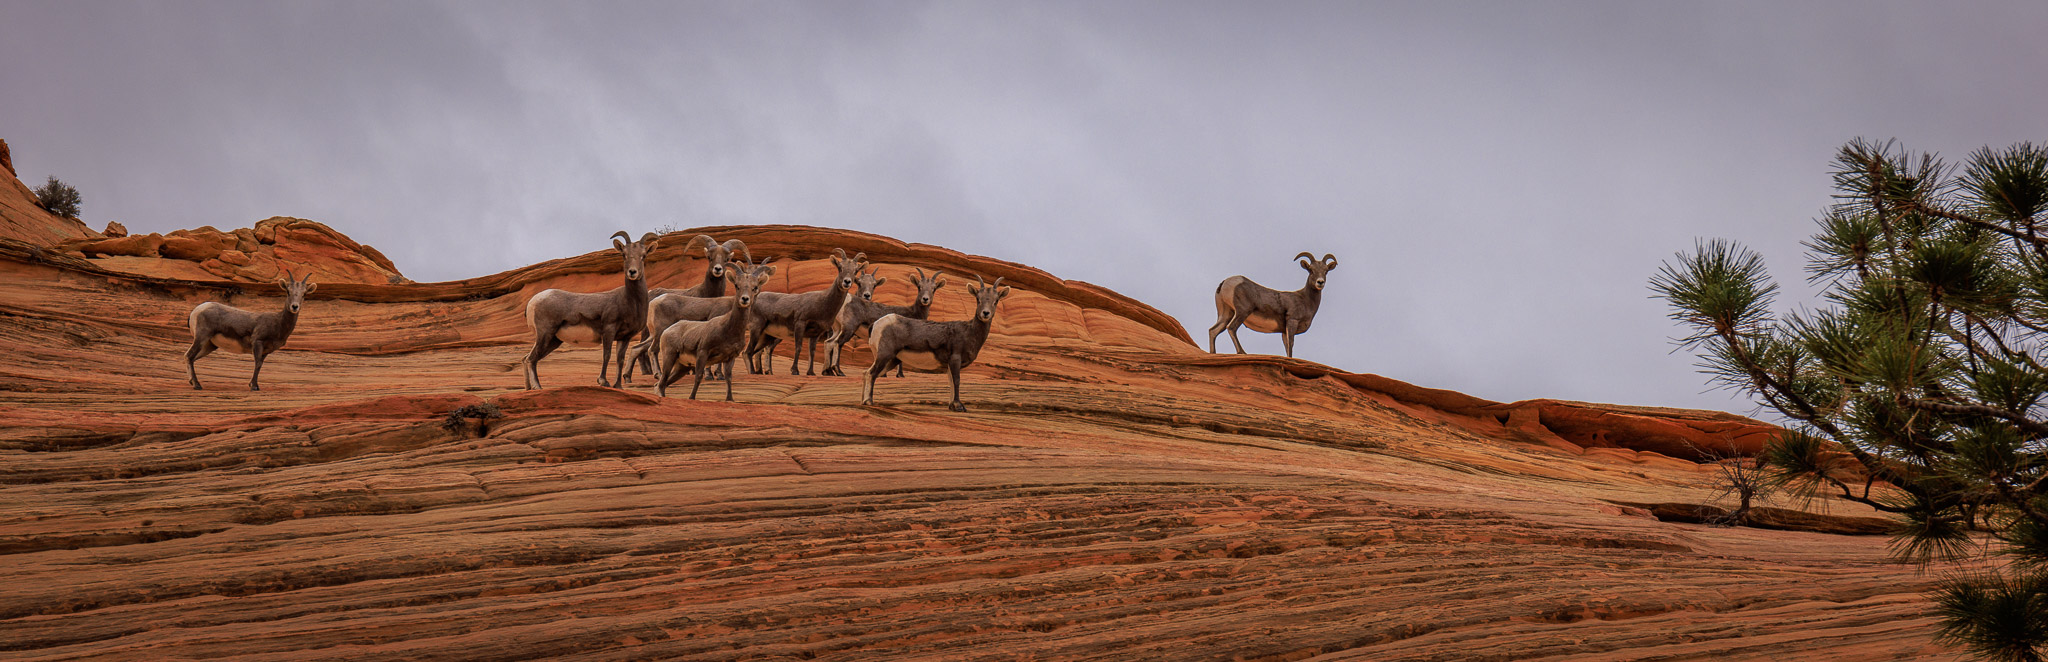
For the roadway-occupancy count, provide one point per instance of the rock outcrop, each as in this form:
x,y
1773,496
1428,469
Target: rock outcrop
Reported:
x,y
253,255
22,218
1112,492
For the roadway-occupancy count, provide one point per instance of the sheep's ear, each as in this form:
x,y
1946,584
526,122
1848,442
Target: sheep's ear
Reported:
x,y
310,286
1304,264
284,282
879,281
938,281
1002,293
861,257
650,239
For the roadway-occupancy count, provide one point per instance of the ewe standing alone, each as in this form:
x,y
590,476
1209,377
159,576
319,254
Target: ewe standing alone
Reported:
x,y
1239,301
221,326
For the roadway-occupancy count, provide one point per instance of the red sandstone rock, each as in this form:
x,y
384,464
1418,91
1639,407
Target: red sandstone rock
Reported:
x,y
115,229
24,219
1112,493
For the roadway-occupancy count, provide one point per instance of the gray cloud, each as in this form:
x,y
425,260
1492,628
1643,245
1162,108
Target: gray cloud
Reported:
x,y
1499,179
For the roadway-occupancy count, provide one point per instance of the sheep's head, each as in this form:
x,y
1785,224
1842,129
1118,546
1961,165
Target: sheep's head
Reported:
x,y
985,298
864,285
747,281
928,286
848,269
635,251
720,255
1318,270
295,291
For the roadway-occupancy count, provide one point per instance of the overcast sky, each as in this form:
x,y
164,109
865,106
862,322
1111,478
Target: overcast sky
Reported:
x,y
1498,179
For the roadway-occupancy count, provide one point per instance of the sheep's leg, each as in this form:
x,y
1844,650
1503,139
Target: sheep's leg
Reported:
x,y
811,369
620,367
700,374
544,342
256,349
1287,337
1222,322
728,380
604,364
796,344
867,379
1235,321
954,368
201,347
761,355
832,357
641,354
663,365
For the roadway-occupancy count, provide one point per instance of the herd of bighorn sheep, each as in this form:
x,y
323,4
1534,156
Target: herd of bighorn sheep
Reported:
x,y
704,331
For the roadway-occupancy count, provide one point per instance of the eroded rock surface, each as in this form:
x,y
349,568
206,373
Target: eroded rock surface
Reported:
x,y
1112,493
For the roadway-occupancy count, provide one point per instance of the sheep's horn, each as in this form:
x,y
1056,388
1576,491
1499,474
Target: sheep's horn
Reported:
x,y
706,241
859,257
841,252
1330,259
1305,254
920,273
737,246
616,236
649,238
999,282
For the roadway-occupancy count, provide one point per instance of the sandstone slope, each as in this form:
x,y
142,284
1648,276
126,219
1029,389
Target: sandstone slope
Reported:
x,y
1114,493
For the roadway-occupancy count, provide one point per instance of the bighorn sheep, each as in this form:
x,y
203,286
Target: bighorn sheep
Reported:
x,y
698,303
696,346
221,326
1239,301
669,309
616,316
799,317
861,311
933,346
719,255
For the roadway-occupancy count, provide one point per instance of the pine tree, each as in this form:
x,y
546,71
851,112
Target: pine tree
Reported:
x,y
1916,386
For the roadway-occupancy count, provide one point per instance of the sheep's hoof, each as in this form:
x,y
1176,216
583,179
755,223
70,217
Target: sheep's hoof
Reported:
x,y
957,407
195,387
254,387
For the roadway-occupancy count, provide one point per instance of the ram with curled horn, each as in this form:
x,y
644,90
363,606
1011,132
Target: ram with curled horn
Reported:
x,y
1241,302
615,317
695,304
